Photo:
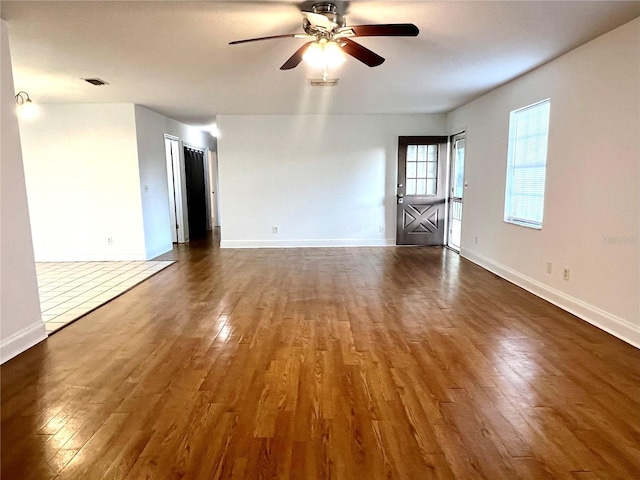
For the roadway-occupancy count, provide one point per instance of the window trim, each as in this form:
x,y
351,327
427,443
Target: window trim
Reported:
x,y
508,200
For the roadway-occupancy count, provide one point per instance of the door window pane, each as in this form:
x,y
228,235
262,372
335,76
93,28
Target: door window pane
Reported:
x,y
421,187
458,168
433,168
411,153
411,186
411,169
431,187
422,153
433,153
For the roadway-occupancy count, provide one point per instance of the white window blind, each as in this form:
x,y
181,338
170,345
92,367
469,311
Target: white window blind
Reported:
x,y
527,164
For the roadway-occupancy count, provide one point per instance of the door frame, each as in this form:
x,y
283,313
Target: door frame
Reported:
x,y
175,186
214,187
450,198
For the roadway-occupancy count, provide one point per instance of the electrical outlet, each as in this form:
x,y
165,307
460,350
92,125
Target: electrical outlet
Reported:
x,y
274,229
109,240
381,229
549,267
475,240
565,274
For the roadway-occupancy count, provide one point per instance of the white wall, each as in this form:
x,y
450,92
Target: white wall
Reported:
x,y
151,128
83,182
154,191
87,166
321,179
20,321
592,200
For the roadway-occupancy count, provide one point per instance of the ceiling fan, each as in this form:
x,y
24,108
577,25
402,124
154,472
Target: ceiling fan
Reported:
x,y
330,36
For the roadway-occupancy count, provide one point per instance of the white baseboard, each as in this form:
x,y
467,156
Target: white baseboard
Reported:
x,y
22,341
616,326
339,242
158,251
94,257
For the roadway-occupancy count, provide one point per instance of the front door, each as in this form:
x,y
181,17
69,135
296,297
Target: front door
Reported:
x,y
421,190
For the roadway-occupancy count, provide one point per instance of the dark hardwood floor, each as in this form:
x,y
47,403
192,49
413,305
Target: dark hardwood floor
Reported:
x,y
372,363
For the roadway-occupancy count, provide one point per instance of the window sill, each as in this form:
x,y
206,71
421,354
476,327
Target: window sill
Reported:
x,y
534,226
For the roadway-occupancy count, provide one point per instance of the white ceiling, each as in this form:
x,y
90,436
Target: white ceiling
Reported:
x,y
174,57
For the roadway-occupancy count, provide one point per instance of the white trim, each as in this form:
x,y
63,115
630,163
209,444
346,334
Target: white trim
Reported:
x,y
158,251
21,341
616,326
214,188
338,242
171,178
177,189
207,188
94,257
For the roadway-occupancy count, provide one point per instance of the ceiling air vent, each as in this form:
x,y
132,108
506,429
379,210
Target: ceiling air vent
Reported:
x,y
329,82
95,81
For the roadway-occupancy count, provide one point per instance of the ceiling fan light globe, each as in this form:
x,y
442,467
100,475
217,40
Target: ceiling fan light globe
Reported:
x,y
324,55
314,55
333,55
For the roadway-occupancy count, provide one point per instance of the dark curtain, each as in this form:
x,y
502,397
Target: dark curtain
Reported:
x,y
196,193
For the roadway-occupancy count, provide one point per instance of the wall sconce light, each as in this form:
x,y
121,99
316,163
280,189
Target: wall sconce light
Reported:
x,y
26,107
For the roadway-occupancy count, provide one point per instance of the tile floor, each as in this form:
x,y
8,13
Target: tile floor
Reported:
x,y
69,290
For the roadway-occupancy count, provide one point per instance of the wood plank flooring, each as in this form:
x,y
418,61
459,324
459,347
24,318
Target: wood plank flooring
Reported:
x,y
373,363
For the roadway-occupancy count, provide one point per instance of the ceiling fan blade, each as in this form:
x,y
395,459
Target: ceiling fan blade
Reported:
x,y
289,35
388,30
296,58
361,53
318,20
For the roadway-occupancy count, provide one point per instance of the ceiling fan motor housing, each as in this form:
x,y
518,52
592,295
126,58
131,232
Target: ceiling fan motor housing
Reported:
x,y
328,10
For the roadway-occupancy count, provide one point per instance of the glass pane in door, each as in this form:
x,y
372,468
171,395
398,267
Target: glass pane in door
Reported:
x,y
458,168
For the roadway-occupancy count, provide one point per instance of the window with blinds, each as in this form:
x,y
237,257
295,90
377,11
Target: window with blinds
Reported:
x,y
527,164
